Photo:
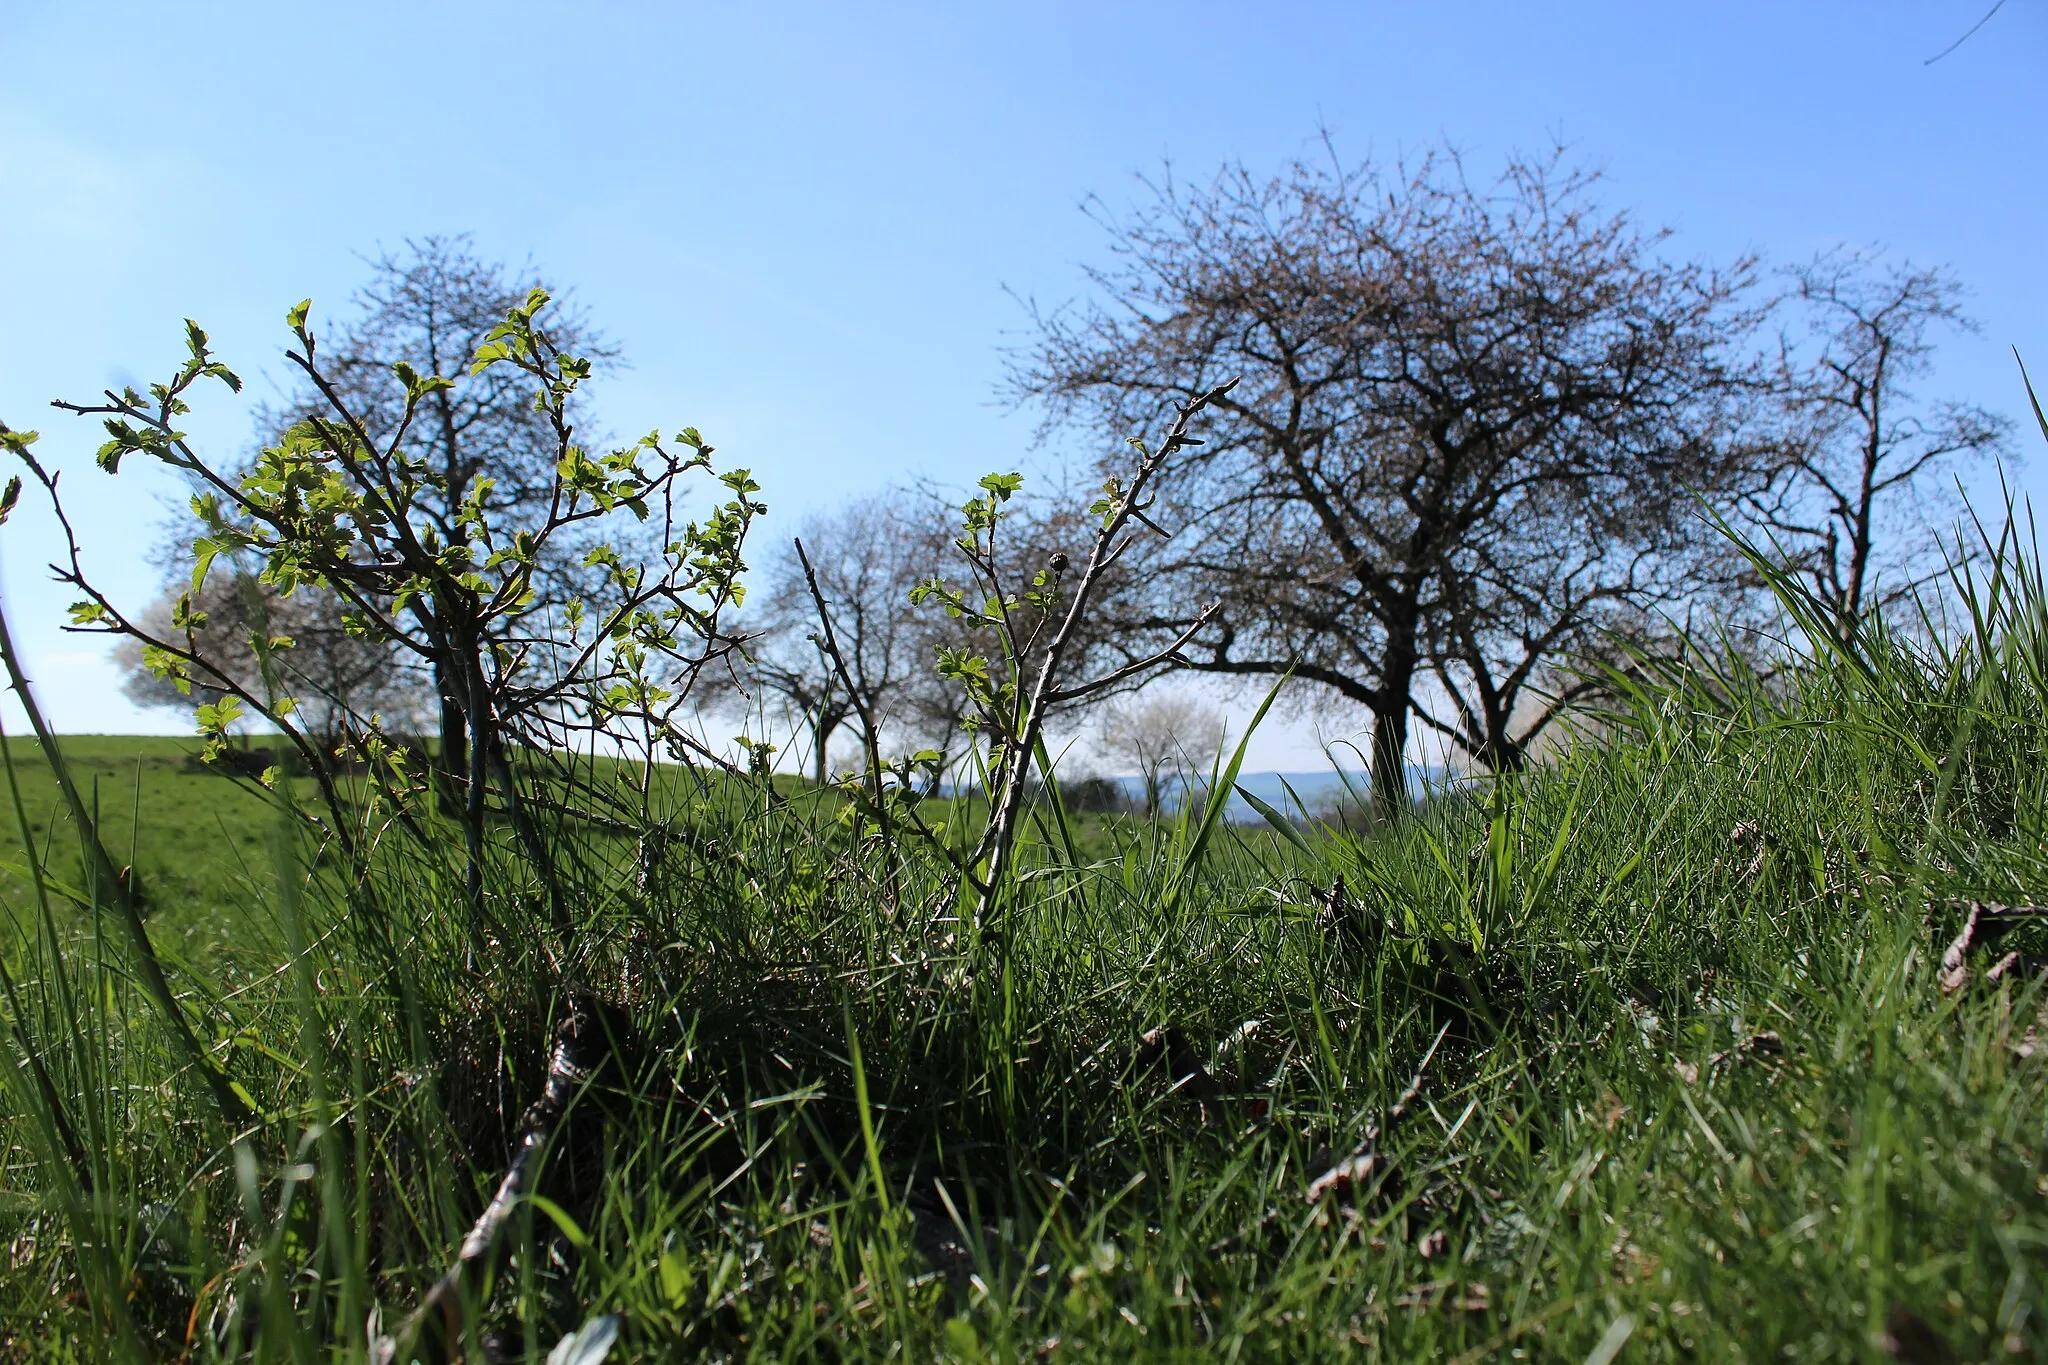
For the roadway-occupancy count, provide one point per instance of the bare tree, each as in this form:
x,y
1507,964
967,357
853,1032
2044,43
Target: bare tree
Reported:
x,y
868,554
1158,732
1471,425
1854,510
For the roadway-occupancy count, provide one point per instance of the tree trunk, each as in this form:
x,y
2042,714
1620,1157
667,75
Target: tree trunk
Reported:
x,y
1861,537
1389,755
477,777
1503,754
1860,528
1390,722
451,765
824,725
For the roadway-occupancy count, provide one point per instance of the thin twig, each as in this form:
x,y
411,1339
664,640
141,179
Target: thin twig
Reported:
x,y
1995,8
1171,654
582,1042
1001,838
870,740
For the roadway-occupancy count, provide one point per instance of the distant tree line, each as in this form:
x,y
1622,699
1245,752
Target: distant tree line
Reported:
x,y
1481,432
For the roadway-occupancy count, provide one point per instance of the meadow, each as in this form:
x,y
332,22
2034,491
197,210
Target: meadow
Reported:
x,y
199,843
1674,1048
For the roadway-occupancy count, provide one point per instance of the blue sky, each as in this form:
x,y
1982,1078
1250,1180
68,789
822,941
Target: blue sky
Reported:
x,y
805,224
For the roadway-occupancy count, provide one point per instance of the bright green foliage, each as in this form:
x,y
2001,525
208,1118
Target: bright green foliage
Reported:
x,y
1023,678
325,506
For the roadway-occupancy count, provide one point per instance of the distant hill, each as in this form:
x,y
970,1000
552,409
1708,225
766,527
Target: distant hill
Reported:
x,y
1296,794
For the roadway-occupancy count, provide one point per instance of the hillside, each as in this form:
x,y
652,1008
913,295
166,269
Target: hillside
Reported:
x,y
201,844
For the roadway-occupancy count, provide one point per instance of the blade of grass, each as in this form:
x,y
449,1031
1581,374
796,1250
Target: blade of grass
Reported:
x,y
110,886
1219,797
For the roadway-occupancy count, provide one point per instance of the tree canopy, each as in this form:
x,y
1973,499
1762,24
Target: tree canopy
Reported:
x,y
1471,424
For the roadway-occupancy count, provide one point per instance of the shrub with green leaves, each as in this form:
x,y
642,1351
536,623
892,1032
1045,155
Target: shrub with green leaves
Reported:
x,y
327,506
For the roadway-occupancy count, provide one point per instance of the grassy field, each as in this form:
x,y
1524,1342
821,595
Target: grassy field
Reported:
x,y
200,843
1642,1055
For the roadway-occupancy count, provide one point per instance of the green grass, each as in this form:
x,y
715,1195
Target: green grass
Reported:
x,y
199,842
1682,1077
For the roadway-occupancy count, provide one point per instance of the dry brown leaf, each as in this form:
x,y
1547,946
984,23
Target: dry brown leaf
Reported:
x,y
1344,1177
1985,922
1428,1294
1955,962
1764,1044
1746,832
1168,1047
